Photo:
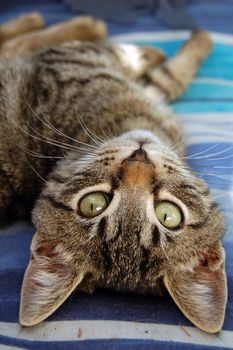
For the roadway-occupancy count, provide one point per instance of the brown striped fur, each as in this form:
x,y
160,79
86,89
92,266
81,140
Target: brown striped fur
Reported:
x,y
88,117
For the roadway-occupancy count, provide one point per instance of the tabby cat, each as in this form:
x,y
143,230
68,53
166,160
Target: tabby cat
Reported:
x,y
85,130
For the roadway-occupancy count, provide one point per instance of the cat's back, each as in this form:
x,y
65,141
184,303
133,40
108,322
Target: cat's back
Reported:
x,y
42,99
60,81
75,64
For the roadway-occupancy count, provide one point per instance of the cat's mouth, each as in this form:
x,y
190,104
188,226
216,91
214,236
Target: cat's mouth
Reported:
x,y
139,155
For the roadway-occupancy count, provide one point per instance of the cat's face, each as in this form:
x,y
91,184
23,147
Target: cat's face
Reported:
x,y
124,216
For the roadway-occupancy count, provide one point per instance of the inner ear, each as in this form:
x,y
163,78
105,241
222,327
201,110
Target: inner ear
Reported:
x,y
49,279
201,294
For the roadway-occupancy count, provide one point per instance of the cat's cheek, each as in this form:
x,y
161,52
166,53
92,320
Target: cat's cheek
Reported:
x,y
201,294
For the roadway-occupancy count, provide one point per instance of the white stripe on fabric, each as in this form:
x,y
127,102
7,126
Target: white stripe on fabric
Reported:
x,y
212,118
149,36
194,127
87,330
213,81
226,39
202,128
207,138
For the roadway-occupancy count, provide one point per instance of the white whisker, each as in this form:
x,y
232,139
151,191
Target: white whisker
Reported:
x,y
202,152
98,141
103,132
56,131
36,172
213,154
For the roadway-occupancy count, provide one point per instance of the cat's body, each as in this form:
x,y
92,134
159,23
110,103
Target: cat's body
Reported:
x,y
56,103
61,86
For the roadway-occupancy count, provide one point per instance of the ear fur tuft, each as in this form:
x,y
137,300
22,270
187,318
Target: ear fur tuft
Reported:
x,y
201,294
48,282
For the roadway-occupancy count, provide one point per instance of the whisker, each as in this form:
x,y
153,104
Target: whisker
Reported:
x,y
208,181
213,154
209,167
223,177
36,172
39,155
49,140
204,151
88,132
56,131
178,144
59,132
54,143
103,132
227,157
45,139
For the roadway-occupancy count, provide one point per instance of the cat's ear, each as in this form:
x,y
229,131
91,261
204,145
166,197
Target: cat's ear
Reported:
x,y
201,293
48,281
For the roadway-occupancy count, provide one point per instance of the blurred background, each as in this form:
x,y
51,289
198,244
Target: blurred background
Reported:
x,y
132,15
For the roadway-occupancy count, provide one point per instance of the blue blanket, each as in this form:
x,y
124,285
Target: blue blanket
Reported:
x,y
108,320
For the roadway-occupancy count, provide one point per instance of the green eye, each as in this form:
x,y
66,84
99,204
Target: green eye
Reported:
x,y
168,214
93,204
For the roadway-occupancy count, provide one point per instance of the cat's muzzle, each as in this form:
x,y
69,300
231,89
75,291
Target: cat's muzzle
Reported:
x,y
139,155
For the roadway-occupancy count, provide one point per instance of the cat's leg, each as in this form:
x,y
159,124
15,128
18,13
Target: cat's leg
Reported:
x,y
136,61
168,78
172,78
78,28
20,25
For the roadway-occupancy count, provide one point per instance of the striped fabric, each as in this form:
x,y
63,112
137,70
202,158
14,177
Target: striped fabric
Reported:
x,y
107,320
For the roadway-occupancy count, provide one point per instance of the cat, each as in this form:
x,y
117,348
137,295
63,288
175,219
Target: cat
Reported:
x,y
86,132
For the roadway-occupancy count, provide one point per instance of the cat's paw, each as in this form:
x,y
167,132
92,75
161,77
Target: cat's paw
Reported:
x,y
83,28
21,25
88,28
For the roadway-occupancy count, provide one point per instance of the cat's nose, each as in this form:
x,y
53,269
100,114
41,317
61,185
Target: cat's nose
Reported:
x,y
139,155
137,170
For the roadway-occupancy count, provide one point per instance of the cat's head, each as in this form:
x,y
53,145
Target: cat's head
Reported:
x,y
134,190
